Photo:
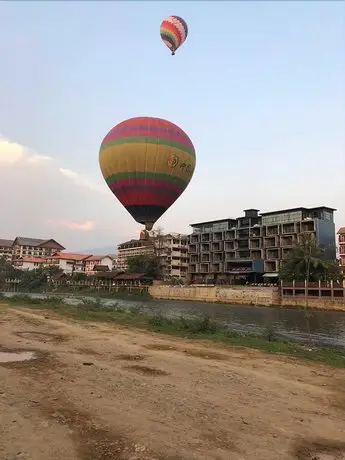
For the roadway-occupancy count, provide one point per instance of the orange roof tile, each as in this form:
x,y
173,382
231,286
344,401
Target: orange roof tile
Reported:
x,y
94,258
69,256
34,260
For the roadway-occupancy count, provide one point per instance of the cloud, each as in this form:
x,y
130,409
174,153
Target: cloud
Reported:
x,y
85,226
44,199
83,181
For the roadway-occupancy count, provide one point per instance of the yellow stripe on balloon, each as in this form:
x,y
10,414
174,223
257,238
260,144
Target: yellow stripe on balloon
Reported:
x,y
143,157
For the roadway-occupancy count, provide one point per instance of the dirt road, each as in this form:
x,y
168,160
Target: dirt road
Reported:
x,y
96,391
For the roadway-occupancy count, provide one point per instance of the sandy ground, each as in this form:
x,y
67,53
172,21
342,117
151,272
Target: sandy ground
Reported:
x,y
97,391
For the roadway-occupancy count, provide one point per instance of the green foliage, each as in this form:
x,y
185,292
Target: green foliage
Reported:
x,y
147,264
175,281
306,262
79,277
269,334
7,271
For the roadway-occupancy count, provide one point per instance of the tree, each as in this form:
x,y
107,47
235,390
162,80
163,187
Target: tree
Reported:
x,y
7,270
149,265
157,237
306,263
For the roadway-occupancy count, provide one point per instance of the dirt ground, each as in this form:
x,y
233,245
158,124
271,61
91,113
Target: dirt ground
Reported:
x,y
97,391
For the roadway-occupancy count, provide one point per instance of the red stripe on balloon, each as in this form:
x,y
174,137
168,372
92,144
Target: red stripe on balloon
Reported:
x,y
173,29
138,197
159,184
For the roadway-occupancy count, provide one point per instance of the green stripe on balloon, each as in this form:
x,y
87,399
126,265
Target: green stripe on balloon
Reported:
x,y
148,175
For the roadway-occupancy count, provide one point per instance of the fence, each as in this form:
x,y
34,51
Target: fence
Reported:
x,y
321,290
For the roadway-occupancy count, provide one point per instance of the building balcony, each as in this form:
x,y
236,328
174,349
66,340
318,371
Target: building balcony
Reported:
x,y
272,230
271,266
271,242
204,268
205,247
216,268
205,237
272,254
229,246
231,255
218,236
217,246
229,235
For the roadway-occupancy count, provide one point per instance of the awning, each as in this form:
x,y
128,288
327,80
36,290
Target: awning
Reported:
x,y
271,275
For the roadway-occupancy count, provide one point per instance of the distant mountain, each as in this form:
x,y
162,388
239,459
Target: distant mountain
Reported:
x,y
99,251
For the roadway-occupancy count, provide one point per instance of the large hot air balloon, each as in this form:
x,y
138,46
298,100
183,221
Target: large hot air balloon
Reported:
x,y
174,31
147,163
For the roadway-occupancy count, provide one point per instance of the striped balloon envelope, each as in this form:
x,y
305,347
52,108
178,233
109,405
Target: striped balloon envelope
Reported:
x,y
174,31
147,164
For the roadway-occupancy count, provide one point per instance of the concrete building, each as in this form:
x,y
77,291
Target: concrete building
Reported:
x,y
255,246
29,263
34,247
172,249
341,247
68,262
133,248
94,264
6,249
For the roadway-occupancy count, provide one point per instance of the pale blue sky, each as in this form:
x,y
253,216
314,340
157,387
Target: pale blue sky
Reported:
x,y
258,86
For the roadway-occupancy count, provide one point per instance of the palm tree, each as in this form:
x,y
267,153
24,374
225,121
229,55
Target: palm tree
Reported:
x,y
305,261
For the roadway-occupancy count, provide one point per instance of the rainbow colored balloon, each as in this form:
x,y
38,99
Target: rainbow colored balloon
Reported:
x,y
147,164
174,31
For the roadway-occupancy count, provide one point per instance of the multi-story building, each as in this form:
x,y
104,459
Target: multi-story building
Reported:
x,y
68,262
34,247
256,245
341,247
94,264
6,249
173,252
29,263
133,248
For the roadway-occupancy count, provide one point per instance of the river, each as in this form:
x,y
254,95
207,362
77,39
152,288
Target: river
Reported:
x,y
327,328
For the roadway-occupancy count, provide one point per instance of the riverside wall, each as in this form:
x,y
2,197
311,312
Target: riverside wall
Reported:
x,y
232,295
261,296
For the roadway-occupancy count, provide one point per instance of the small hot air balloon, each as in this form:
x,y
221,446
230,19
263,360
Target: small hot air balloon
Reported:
x,y
147,164
174,31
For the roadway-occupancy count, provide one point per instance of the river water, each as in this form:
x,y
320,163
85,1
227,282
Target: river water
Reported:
x,y
326,327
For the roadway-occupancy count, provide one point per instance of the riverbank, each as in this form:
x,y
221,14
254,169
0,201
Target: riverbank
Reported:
x,y
96,390
202,328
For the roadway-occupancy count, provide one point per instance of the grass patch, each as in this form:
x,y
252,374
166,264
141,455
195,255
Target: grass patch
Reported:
x,y
194,328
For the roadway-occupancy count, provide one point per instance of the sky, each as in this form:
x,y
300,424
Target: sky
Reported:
x,y
259,87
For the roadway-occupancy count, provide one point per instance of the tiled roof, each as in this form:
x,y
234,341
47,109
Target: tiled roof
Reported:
x,y
98,258
5,243
33,260
94,258
341,231
69,256
34,242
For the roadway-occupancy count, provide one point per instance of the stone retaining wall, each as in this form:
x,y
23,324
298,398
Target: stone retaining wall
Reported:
x,y
231,295
266,296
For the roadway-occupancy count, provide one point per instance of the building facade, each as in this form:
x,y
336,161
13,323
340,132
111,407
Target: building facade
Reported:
x,y
133,248
68,262
6,249
34,247
172,250
255,246
93,264
29,263
341,248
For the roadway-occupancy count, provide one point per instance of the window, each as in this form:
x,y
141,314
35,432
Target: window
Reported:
x,y
282,218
